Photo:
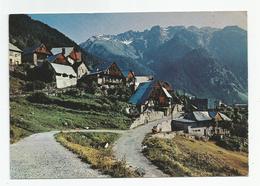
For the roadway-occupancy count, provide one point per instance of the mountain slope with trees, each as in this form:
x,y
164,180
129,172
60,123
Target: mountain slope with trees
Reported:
x,y
167,53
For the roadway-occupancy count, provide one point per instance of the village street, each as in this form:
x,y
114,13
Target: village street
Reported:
x,y
129,146
40,156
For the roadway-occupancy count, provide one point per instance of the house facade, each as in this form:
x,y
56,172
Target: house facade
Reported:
x,y
202,123
36,55
152,95
15,55
130,79
81,69
106,74
61,76
65,76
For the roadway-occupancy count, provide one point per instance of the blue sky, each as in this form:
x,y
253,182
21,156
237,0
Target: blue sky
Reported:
x,y
79,27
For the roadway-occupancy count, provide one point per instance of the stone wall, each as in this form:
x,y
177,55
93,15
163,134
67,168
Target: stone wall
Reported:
x,y
147,117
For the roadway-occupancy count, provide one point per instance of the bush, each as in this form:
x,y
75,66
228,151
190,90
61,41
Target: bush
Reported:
x,y
35,85
234,143
73,92
39,97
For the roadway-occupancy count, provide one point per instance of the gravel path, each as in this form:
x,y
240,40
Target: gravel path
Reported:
x,y
129,147
40,156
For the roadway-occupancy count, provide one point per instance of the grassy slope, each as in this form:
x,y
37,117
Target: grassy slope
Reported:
x,y
28,118
183,157
90,148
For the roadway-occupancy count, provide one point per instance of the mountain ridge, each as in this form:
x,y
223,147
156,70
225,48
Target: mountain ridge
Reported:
x,y
161,50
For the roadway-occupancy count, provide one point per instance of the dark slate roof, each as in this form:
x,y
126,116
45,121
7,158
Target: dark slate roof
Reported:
x,y
31,50
141,94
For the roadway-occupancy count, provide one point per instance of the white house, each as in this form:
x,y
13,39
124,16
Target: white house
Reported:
x,y
15,55
65,76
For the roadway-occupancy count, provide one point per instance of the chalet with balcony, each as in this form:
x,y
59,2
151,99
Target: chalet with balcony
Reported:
x,y
106,74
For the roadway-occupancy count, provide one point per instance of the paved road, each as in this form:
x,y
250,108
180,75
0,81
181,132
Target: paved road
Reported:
x,y
129,147
40,156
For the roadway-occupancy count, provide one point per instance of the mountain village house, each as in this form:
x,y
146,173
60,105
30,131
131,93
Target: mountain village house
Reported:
x,y
154,96
202,123
63,75
130,79
15,55
70,53
106,75
205,104
36,55
69,56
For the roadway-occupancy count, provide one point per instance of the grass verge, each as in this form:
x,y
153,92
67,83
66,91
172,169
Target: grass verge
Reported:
x,y
184,157
27,118
91,148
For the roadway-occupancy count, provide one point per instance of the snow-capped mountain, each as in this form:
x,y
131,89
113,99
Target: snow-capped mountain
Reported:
x,y
164,53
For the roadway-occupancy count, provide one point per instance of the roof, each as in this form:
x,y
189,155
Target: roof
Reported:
x,y
63,69
213,114
141,94
181,119
58,50
202,116
33,49
103,66
224,117
52,58
14,48
166,93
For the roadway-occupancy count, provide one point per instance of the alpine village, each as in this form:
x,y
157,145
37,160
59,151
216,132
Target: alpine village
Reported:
x,y
120,122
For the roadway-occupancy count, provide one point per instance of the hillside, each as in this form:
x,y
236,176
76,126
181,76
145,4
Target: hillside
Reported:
x,y
25,32
45,113
184,157
161,52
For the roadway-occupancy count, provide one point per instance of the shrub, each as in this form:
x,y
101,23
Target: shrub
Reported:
x,y
233,143
39,97
73,92
35,85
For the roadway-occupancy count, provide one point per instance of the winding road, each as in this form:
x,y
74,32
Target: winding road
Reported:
x,y
40,156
